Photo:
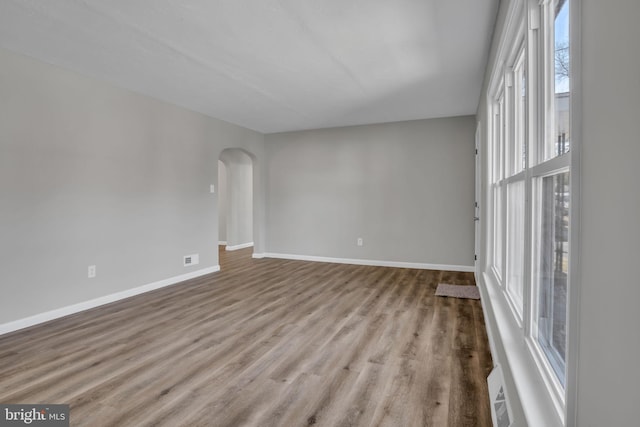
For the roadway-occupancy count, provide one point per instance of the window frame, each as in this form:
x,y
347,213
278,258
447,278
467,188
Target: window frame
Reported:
x,y
545,165
505,173
530,24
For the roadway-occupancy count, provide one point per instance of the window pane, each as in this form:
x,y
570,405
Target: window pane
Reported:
x,y
553,268
515,242
501,137
522,93
498,224
519,119
496,145
559,128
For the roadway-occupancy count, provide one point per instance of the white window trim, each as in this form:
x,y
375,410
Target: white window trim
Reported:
x,y
571,382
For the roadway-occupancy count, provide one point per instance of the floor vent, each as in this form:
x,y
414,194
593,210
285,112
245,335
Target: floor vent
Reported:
x,y
500,408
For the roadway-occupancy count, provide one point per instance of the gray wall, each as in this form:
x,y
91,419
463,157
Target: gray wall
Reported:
x,y
239,196
609,336
406,188
93,174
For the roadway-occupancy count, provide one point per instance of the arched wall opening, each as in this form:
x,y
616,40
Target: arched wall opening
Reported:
x,y
235,199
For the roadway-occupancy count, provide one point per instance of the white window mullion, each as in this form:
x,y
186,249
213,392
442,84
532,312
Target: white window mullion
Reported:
x,y
520,176
550,166
534,125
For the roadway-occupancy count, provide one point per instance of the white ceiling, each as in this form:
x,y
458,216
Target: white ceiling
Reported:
x,y
271,65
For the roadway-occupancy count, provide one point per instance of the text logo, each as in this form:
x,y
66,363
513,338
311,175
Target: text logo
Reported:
x,y
34,415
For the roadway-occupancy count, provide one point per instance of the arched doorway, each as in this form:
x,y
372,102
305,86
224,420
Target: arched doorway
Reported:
x,y
235,199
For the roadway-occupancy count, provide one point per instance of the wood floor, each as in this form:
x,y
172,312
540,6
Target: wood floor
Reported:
x,y
264,343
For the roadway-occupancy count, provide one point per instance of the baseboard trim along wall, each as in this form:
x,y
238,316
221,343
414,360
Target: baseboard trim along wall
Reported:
x,y
376,263
222,242
240,246
15,325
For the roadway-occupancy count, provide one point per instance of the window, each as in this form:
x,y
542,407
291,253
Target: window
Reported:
x,y
509,189
552,267
497,231
515,244
530,191
498,152
551,205
518,159
557,74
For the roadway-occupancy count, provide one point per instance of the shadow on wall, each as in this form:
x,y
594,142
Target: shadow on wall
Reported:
x,y
235,199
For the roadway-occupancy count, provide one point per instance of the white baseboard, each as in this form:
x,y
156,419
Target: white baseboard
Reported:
x,y
15,325
240,246
377,263
222,242
257,256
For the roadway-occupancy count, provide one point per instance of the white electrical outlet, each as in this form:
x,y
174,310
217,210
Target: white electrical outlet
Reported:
x,y
359,242
189,260
91,272
212,189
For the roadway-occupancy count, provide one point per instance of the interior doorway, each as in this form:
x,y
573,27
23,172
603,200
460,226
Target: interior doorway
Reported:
x,y
235,199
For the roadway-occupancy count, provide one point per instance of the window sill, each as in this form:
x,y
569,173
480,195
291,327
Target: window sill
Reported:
x,y
525,384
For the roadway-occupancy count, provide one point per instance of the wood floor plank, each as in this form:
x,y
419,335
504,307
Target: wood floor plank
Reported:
x,y
264,342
